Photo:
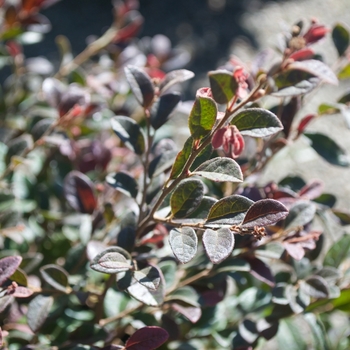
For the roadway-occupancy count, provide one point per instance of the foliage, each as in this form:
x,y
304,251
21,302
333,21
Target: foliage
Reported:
x,y
114,237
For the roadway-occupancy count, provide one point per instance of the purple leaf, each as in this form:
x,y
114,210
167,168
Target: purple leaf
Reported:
x,y
147,338
264,212
261,271
8,266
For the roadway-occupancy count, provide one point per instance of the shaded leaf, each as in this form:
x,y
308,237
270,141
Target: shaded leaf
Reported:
x,y
291,78
328,149
326,199
261,271
229,210
341,38
147,338
202,157
112,260
220,169
8,267
204,207
161,163
79,192
344,218
230,265
183,243
300,214
223,85
55,276
316,68
186,197
20,277
316,287
124,183
297,299
38,310
202,117
182,158
218,244
130,133
125,279
264,213
175,77
162,109
126,238
148,277
266,329
247,330
257,122
186,294
192,313
17,146
40,128
140,84
338,252
300,88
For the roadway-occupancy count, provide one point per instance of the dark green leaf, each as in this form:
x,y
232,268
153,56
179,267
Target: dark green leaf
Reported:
x,y
316,287
300,214
223,85
30,261
345,98
344,218
257,122
126,238
148,277
279,295
341,38
229,210
326,199
186,197
141,85
40,128
124,183
55,276
328,149
162,109
147,338
338,252
183,243
8,266
161,163
202,157
124,280
295,183
79,192
175,77
247,330
112,260
202,117
20,277
220,169
17,146
316,68
38,310
147,296
231,265
264,213
130,133
218,244
204,207
185,294
182,158
344,72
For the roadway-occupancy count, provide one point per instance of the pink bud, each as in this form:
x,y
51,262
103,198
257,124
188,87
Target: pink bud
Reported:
x,y
315,33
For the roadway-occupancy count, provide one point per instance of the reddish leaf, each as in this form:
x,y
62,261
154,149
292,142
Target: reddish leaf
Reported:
x,y
190,312
8,266
312,190
22,292
79,192
295,250
147,338
304,122
264,212
302,54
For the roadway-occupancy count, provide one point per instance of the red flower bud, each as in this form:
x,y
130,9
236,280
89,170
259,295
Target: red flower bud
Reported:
x,y
315,33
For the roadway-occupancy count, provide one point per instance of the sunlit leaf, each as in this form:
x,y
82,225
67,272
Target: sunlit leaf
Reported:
x,y
223,85
175,77
183,243
301,213
38,310
148,277
56,277
182,158
186,294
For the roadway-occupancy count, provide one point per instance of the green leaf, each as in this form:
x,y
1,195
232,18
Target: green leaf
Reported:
x,y
296,299
316,68
344,218
264,212
301,213
279,294
327,109
231,265
300,88
223,85
202,117
220,169
183,243
229,210
161,163
182,158
130,133
315,287
124,183
338,252
20,277
345,98
145,295
17,146
40,128
218,244
38,310
140,84
326,199
168,268
55,276
202,157
328,149
112,260
345,72
148,277
341,38
204,207
185,294
257,122
343,301
162,109
175,77
318,331
186,197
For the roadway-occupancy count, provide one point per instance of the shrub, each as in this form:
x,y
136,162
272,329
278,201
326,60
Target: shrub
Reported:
x,y
114,237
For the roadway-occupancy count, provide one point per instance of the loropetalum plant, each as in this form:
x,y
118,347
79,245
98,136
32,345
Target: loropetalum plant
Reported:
x,y
120,240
